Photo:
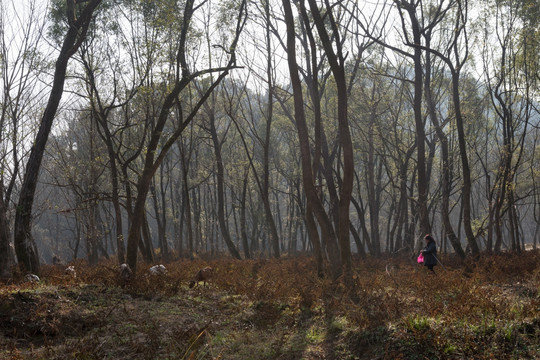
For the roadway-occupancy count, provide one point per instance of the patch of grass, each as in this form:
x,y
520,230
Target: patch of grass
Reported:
x,y
339,323
418,323
315,335
450,349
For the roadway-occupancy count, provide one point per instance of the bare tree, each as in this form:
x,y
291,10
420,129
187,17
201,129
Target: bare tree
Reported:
x,y
153,157
336,59
78,22
19,68
510,84
313,201
446,166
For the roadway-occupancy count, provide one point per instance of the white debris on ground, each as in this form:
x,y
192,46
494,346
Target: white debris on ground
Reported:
x,y
70,270
33,278
157,270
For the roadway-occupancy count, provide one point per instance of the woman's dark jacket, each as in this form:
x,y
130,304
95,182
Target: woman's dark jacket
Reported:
x,y
430,253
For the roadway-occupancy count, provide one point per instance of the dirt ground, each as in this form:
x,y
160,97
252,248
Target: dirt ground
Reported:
x,y
249,311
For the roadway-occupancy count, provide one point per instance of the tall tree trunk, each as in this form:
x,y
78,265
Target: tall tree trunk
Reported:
x,y
313,234
320,146
178,216
25,247
164,251
5,256
186,199
422,185
372,183
270,222
327,230
466,171
220,189
145,243
446,165
311,230
337,64
359,245
514,222
243,225
460,58
91,234
119,228
101,115
187,205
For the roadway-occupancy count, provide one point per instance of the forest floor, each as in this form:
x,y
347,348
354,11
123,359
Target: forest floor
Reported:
x,y
279,309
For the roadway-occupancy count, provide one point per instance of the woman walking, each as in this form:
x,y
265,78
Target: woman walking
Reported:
x,y
430,253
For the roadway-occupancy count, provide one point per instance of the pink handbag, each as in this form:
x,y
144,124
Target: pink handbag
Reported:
x,y
420,259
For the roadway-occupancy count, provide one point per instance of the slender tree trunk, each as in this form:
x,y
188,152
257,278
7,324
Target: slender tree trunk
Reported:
x,y
220,190
91,234
372,184
423,213
77,239
362,217
25,247
321,143
160,227
293,226
145,243
5,255
100,116
120,246
489,241
270,222
179,219
307,171
187,200
446,166
466,171
359,245
514,222
337,64
243,225
535,239
459,28
313,235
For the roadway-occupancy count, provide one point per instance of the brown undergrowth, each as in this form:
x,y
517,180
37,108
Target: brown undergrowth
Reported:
x,y
278,309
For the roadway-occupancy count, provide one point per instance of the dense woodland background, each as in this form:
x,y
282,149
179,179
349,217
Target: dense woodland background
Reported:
x,y
266,128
